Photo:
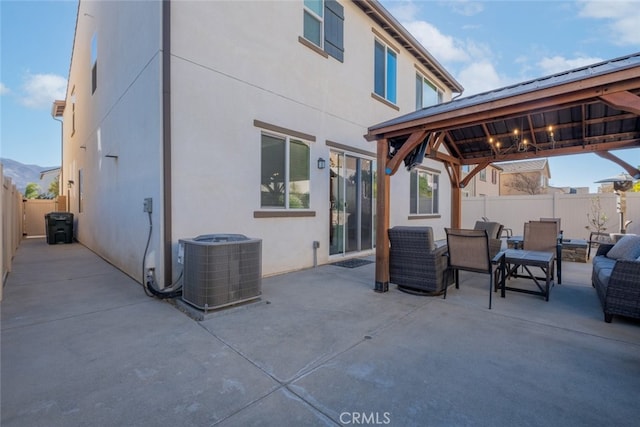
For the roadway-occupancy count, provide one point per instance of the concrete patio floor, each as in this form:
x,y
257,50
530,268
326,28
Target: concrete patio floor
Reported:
x,y
83,345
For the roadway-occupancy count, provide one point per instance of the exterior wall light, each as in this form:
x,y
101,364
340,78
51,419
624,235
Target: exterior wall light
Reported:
x,y
321,163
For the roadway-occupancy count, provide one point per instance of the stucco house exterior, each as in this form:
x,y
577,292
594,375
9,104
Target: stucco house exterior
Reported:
x,y
484,183
525,177
241,117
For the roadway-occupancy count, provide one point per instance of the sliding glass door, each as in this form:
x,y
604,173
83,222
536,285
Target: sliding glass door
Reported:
x,y
352,204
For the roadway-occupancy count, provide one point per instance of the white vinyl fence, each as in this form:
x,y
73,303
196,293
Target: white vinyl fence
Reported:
x,y
572,209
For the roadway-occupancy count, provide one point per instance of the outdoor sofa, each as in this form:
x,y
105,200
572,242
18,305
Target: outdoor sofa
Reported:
x,y
616,277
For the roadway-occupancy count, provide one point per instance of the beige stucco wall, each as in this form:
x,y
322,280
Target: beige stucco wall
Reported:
x,y
219,91
121,119
231,63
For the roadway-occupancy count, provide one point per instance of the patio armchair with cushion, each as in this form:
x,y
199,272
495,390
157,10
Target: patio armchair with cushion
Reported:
x,y
416,263
616,277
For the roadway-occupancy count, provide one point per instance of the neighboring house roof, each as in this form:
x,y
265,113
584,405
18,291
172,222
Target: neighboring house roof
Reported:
x,y
376,12
538,165
50,173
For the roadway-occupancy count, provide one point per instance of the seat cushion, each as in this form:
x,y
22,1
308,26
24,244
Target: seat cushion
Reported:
x,y
602,268
604,274
628,247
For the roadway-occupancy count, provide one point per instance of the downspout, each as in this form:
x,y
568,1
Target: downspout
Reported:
x,y
61,176
166,140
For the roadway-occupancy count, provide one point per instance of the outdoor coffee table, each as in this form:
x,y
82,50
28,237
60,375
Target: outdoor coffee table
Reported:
x,y
518,241
515,258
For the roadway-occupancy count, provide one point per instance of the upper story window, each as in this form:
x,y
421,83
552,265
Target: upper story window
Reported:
x,y
285,165
385,71
427,93
313,21
483,175
324,26
94,63
424,196
494,176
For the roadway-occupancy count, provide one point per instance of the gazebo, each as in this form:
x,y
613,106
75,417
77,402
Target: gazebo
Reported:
x,y
593,109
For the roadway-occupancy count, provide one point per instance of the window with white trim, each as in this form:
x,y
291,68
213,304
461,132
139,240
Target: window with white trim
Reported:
x,y
424,194
427,94
385,71
313,21
323,22
285,165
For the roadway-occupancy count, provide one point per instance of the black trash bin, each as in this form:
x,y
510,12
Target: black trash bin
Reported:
x,y
59,227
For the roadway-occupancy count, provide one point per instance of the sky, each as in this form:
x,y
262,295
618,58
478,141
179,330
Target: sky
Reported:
x,y
484,45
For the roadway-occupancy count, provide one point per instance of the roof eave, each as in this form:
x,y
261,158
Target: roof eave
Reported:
x,y
57,109
400,34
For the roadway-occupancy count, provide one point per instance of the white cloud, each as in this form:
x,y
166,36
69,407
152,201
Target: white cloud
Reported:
x,y
558,64
3,89
480,76
622,17
444,48
402,11
465,7
469,61
40,90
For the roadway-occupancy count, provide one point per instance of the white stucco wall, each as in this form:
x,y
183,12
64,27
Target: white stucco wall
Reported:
x,y
236,62
123,119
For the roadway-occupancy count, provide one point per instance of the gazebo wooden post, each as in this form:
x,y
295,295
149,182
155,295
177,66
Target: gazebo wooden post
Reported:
x,y
456,196
456,206
382,222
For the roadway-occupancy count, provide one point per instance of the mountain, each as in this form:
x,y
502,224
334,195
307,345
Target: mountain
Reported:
x,y
22,174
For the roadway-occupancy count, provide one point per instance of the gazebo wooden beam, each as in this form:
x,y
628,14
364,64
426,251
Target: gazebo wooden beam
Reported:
x,y
474,172
593,147
625,101
631,170
414,140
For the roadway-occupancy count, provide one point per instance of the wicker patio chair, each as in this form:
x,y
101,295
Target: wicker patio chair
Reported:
x,y
416,264
469,251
